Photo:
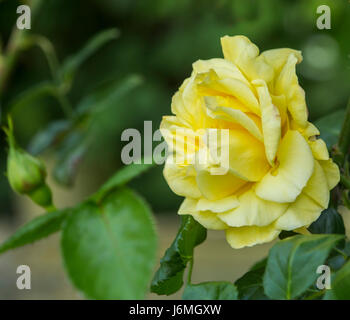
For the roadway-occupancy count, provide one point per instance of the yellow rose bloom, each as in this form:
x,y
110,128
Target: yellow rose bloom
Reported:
x,y
279,174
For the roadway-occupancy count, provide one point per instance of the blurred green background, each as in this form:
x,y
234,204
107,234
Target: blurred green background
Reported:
x,y
158,42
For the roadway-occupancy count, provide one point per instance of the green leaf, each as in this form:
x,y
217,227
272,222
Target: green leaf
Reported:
x,y
216,290
250,285
70,154
109,249
330,127
292,264
339,255
37,91
72,63
89,124
329,295
121,177
330,221
341,283
106,96
46,138
287,234
169,277
36,229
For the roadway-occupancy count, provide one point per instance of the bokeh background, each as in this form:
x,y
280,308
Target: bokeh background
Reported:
x,y
157,43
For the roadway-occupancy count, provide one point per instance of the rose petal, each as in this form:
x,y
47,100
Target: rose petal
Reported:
x,y
232,115
181,180
296,165
217,206
317,186
287,84
301,213
249,236
253,211
245,55
207,219
271,121
331,171
277,58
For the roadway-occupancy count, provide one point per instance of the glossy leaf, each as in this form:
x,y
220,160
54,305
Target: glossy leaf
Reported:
x,y
37,91
169,277
48,137
70,154
216,290
292,264
250,285
330,127
341,283
330,221
109,249
36,229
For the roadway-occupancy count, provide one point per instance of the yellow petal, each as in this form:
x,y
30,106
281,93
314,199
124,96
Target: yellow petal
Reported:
x,y
319,149
238,49
302,230
296,165
253,211
183,141
242,154
207,219
222,67
277,58
245,55
181,180
178,108
215,187
287,84
249,236
281,103
317,186
310,130
187,104
301,213
318,146
235,88
271,121
232,115
247,157
217,206
232,103
331,171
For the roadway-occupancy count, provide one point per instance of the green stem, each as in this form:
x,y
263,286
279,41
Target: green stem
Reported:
x,y
16,44
315,295
344,138
342,253
49,51
190,269
65,104
10,57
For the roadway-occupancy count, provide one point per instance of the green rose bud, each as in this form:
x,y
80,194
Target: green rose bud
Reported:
x,y
26,174
42,196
